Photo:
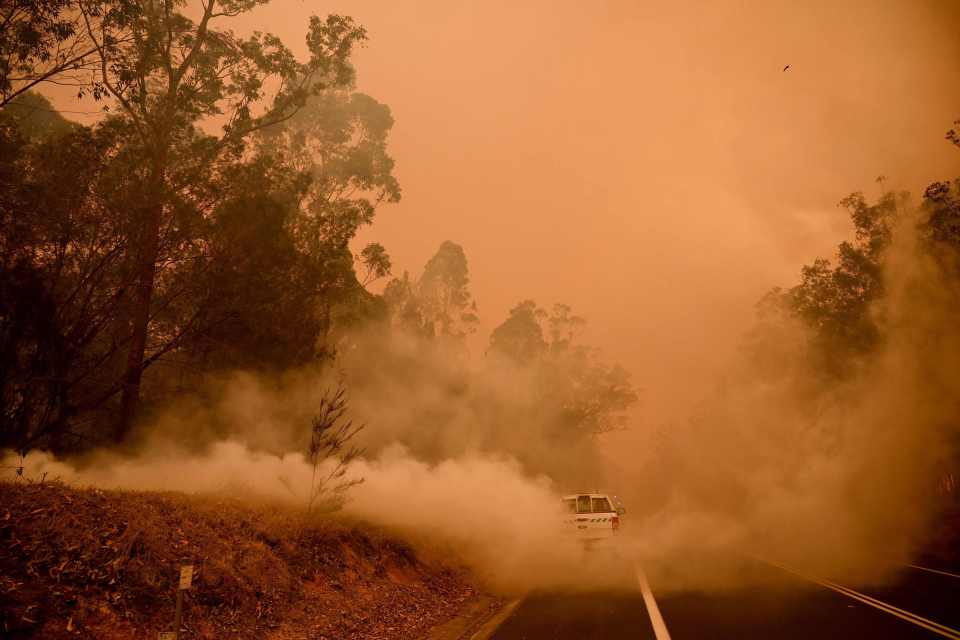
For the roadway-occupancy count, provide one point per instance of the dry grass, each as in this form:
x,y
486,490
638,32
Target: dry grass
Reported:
x,y
104,564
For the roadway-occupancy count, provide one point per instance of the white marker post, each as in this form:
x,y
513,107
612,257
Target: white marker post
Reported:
x,y
186,577
186,580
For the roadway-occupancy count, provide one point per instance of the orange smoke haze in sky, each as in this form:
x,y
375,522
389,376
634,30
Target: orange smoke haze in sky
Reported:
x,y
648,163
654,166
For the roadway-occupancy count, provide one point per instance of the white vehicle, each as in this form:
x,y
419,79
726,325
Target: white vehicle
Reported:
x,y
593,516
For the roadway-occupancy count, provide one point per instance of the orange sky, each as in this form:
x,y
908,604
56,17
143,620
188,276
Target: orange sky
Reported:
x,y
646,162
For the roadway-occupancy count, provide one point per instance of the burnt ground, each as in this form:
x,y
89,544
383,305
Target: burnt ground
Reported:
x,y
89,563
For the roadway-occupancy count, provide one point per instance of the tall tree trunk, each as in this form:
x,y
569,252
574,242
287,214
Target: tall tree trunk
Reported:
x,y
148,251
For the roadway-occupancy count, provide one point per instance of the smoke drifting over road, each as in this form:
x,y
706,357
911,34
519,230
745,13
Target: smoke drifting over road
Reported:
x,y
655,206
836,478
835,482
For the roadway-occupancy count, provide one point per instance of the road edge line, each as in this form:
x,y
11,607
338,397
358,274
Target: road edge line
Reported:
x,y
880,605
943,573
903,614
656,620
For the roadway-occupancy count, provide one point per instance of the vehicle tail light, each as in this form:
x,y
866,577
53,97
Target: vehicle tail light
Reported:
x,y
616,522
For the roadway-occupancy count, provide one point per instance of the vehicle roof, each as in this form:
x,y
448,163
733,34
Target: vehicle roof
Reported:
x,y
573,496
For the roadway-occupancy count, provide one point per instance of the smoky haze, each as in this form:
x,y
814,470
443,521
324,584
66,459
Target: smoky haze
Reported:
x,y
840,482
648,163
655,168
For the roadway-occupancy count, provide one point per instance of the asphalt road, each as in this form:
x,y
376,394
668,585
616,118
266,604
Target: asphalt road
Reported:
x,y
782,606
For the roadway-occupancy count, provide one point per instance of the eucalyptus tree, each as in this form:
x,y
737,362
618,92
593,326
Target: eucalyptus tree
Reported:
x,y
438,304
338,143
167,75
578,394
448,306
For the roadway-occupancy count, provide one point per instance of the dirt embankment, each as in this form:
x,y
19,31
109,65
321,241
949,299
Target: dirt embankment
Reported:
x,y
104,564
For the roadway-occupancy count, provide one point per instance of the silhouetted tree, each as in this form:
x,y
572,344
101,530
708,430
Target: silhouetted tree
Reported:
x,y
64,277
166,72
834,299
34,117
45,40
520,336
439,303
579,395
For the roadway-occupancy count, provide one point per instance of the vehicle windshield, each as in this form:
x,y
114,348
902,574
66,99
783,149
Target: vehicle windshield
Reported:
x,y
600,505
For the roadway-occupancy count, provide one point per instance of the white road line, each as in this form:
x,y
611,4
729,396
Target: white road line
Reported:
x,y
943,573
659,628
920,621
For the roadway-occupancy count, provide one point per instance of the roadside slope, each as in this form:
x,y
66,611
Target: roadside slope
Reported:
x,y
103,564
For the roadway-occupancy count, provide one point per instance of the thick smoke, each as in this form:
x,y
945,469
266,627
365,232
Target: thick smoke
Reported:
x,y
454,454
479,511
440,403
835,479
429,395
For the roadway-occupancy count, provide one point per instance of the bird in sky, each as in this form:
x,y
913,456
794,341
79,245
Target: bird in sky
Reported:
x,y
786,67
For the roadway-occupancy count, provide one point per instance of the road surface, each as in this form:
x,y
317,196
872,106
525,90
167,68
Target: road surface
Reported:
x,y
920,604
